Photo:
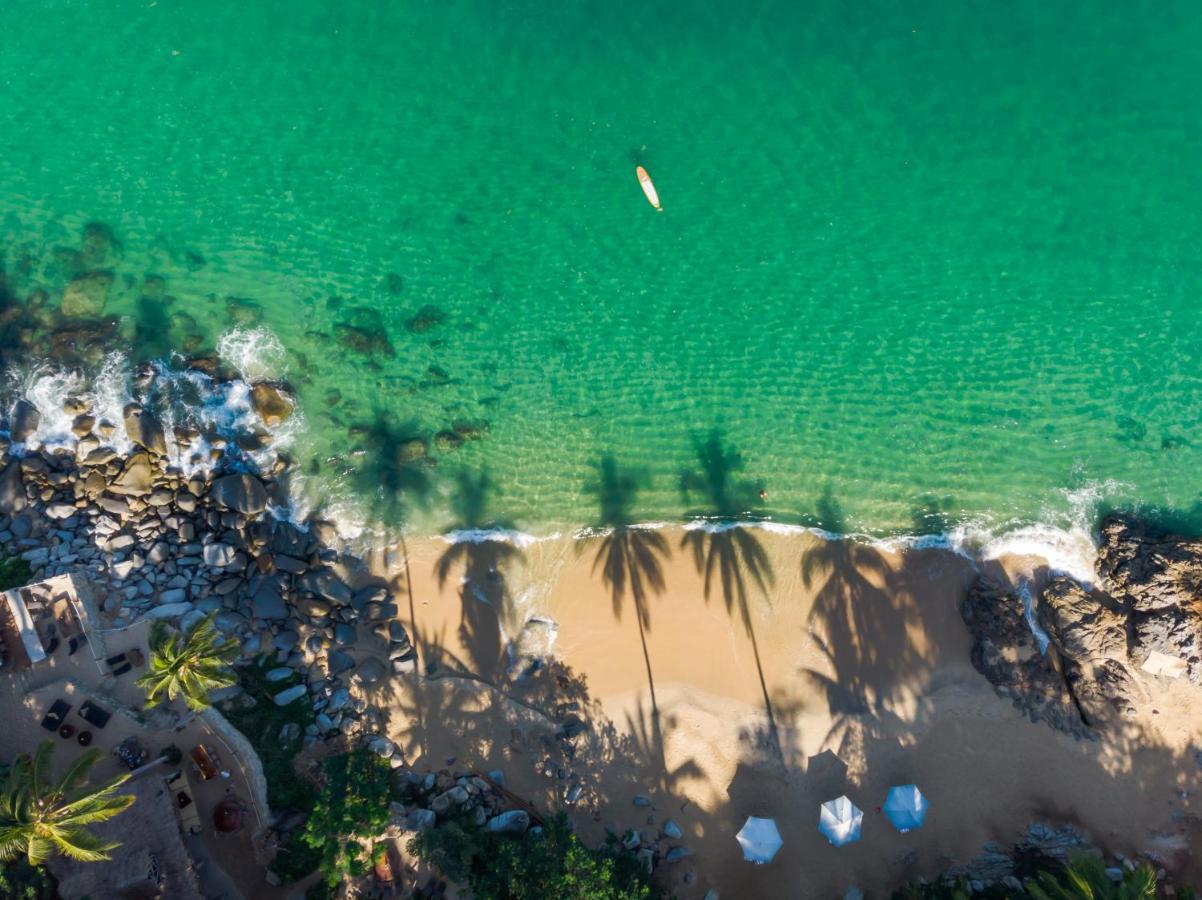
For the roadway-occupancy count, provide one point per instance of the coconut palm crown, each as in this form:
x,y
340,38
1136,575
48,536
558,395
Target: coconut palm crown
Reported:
x,y
188,666
39,818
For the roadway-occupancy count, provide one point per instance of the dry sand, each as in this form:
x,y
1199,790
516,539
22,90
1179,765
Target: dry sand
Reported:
x,y
863,660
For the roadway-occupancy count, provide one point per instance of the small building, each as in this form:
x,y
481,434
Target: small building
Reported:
x,y
38,619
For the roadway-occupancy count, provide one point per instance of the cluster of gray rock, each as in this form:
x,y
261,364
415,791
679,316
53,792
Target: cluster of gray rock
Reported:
x,y
1041,844
1143,619
467,797
158,542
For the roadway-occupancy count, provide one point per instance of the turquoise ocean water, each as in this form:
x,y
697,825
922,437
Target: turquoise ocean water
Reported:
x,y
927,262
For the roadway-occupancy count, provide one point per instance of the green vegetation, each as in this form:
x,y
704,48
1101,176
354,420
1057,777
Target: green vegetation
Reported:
x,y
551,864
351,809
39,818
1085,878
21,881
262,723
188,666
14,571
1082,878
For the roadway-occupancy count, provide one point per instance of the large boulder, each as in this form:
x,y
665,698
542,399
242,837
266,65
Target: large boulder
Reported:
x,y
25,421
135,478
326,584
533,644
1175,633
1147,567
242,493
515,821
145,429
371,670
12,489
271,402
1006,652
87,295
1084,625
267,602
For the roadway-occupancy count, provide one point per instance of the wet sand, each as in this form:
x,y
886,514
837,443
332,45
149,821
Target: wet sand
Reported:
x,y
848,673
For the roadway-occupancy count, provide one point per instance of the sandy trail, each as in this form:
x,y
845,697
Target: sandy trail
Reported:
x,y
848,674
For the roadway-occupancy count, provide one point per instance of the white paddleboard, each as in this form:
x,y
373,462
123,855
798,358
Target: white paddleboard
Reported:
x,y
648,187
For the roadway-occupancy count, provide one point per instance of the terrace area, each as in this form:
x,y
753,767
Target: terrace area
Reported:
x,y
199,797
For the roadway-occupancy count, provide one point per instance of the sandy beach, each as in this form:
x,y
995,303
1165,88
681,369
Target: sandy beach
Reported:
x,y
846,672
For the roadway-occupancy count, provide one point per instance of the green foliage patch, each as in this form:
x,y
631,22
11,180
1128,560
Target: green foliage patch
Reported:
x,y
350,810
21,881
14,571
553,864
262,724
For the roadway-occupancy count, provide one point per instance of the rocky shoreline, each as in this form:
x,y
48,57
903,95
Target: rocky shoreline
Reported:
x,y
163,537
1142,620
157,542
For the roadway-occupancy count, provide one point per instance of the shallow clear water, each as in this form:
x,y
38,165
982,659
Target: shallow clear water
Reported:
x,y
938,262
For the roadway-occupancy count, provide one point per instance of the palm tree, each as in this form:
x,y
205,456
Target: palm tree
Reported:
x,y
189,665
39,818
1085,878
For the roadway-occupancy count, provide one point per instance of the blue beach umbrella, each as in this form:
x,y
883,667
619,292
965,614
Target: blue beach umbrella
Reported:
x,y
760,839
840,821
906,807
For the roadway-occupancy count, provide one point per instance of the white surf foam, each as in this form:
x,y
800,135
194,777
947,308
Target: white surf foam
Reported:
x,y
502,535
256,353
177,396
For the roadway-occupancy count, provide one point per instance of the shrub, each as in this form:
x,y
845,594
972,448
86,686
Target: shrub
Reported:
x,y
553,864
351,809
21,881
14,571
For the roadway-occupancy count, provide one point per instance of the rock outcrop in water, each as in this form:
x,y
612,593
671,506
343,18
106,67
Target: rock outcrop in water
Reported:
x,y
1105,644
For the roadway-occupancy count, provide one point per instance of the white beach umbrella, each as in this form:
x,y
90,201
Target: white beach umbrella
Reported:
x,y
906,807
760,839
840,821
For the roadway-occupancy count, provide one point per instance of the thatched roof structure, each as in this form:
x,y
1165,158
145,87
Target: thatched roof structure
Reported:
x,y
152,861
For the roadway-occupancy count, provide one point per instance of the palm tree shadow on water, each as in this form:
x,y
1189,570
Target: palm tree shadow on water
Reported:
x,y
486,603
630,560
396,480
726,553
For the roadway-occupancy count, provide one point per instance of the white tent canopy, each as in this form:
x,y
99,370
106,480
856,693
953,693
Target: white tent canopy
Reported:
x,y
760,839
840,821
906,807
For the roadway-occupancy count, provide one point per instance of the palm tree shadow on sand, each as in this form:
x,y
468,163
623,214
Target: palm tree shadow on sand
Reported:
x,y
486,603
630,560
867,625
725,552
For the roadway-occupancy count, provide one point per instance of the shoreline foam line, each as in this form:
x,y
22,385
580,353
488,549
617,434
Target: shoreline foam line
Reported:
x,y
223,410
